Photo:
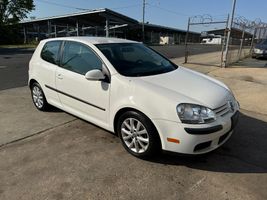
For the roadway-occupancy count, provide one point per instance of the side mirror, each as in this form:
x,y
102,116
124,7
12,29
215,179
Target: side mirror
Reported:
x,y
95,75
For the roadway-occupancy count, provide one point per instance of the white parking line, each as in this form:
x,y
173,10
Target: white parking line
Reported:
x,y
2,67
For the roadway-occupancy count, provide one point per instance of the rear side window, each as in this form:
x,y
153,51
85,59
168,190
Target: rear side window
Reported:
x,y
79,58
50,52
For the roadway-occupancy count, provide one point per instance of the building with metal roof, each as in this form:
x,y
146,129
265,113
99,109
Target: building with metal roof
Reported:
x,y
236,35
100,22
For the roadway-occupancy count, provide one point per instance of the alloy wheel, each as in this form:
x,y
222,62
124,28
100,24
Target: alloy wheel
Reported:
x,y
38,97
134,135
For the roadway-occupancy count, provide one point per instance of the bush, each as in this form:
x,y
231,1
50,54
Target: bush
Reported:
x,y
10,35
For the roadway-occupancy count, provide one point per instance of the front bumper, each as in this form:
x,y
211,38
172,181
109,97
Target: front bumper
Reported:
x,y
259,55
196,143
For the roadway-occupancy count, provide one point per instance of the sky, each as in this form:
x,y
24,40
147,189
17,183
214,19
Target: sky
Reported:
x,y
172,13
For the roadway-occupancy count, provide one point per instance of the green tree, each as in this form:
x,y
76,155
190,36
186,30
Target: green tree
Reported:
x,y
12,11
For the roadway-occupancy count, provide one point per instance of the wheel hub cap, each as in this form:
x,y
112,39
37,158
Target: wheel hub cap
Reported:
x,y
37,96
134,135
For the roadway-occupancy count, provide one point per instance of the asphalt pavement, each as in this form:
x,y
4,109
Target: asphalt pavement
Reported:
x,y
52,155
251,63
14,67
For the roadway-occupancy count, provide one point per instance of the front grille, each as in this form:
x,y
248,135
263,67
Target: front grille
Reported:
x,y
222,110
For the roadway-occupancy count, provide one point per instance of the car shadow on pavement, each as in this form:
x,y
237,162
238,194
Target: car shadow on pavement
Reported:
x,y
54,110
245,152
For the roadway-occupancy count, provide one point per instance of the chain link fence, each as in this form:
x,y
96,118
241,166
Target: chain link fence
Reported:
x,y
243,37
244,34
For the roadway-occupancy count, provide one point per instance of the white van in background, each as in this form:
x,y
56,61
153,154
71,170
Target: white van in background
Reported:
x,y
212,39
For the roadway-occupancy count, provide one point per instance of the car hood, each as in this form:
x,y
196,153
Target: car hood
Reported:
x,y
193,86
261,46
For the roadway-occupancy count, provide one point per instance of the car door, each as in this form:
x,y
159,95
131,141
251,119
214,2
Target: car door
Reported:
x,y
46,70
85,98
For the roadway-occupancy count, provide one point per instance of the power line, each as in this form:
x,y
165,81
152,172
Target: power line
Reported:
x,y
167,10
62,5
78,8
178,13
123,7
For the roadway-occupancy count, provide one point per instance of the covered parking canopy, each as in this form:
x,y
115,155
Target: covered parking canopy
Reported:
x,y
100,22
94,22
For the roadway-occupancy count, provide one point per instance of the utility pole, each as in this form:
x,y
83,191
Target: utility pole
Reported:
x,y
143,24
229,34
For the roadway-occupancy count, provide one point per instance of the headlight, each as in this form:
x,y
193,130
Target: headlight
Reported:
x,y
258,50
195,114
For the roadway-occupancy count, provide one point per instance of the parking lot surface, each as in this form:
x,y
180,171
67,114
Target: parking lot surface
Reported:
x,y
53,155
251,63
14,67
77,160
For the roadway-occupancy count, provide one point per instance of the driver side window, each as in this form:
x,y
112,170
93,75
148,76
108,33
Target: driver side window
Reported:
x,y
79,58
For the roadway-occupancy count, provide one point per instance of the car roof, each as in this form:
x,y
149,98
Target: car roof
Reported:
x,y
92,40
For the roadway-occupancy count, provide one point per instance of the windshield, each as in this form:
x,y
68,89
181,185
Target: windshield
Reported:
x,y
135,59
264,42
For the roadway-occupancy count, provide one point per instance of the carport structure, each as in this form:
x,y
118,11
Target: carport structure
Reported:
x,y
100,22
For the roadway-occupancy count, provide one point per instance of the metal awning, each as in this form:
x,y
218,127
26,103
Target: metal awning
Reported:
x,y
92,17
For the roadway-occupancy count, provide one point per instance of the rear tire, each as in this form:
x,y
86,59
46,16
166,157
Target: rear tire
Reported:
x,y
138,134
38,97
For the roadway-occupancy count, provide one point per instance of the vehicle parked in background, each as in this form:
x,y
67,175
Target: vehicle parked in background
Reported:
x,y
260,50
166,40
212,39
133,91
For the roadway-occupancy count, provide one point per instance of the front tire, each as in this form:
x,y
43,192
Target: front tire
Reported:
x,y
38,97
138,134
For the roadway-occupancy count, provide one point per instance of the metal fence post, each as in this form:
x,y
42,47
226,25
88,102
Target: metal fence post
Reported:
x,y
229,34
259,34
77,28
55,27
25,34
252,40
49,28
223,41
107,27
186,39
241,43
264,33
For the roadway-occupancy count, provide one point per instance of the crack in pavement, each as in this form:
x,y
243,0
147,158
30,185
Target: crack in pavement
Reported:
x,y
34,134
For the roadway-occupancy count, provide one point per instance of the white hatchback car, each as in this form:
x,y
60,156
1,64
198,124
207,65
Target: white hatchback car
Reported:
x,y
131,90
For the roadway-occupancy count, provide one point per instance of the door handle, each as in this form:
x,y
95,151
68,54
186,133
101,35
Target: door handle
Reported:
x,y
59,76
